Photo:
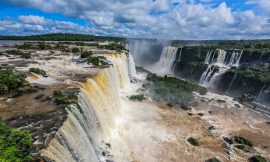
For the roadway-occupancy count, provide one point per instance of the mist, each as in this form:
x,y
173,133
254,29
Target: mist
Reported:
x,y
145,51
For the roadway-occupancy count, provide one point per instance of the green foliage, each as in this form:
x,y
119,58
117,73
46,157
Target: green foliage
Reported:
x,y
15,145
257,158
113,46
11,80
57,93
242,140
96,60
20,53
240,147
64,99
172,90
86,54
255,74
62,37
214,159
75,50
193,141
139,97
38,71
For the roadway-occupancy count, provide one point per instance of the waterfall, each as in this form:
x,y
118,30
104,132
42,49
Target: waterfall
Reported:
x,y
166,60
178,60
90,126
264,92
233,80
217,66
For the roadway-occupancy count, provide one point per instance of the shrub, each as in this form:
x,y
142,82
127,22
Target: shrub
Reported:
x,y
15,145
214,159
257,158
75,50
57,93
19,53
240,147
242,140
96,60
11,80
64,99
193,141
139,97
86,54
38,71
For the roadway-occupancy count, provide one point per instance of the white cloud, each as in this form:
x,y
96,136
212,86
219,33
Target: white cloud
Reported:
x,y
146,18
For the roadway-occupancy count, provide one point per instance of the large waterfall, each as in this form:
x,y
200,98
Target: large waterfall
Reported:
x,y
219,61
85,135
165,65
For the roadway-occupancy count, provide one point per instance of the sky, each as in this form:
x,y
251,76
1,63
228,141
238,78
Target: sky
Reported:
x,y
161,19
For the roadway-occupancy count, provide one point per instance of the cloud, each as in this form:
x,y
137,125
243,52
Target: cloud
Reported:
x,y
167,19
263,4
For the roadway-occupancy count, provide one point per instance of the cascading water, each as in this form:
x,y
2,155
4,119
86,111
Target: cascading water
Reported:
x,y
231,84
264,93
166,61
84,135
218,63
178,60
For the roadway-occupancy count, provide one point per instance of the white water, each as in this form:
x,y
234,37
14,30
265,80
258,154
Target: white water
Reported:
x,y
84,134
264,92
218,64
166,61
230,86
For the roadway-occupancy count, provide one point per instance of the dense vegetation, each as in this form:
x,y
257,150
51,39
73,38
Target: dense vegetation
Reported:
x,y
22,54
38,71
113,46
257,158
172,90
61,98
255,74
139,97
62,37
15,145
13,81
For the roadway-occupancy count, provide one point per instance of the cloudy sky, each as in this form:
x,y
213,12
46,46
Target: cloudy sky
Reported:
x,y
166,19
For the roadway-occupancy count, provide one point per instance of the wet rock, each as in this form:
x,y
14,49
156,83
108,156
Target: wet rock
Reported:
x,y
237,105
211,127
193,141
38,97
189,114
210,112
203,100
219,100
200,114
169,104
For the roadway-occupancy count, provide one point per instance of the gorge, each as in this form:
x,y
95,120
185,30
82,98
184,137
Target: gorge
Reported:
x,y
103,123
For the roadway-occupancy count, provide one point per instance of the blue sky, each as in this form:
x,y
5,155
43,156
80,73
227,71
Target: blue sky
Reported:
x,y
166,19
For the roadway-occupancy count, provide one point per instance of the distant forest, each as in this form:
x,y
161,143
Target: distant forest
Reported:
x,y
63,37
